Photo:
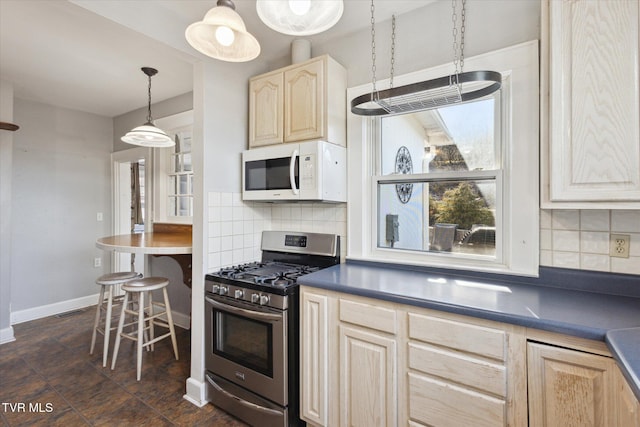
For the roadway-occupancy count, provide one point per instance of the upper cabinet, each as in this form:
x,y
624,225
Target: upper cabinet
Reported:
x,y
590,104
300,102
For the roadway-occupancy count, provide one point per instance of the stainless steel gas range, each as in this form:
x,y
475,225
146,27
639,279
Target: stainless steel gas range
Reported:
x,y
252,320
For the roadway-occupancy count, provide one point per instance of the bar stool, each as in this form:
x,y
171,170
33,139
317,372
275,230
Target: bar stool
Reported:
x,y
110,281
146,318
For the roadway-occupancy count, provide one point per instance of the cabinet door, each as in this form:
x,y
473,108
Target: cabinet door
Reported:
x,y
569,388
628,404
594,101
304,102
266,110
314,384
367,379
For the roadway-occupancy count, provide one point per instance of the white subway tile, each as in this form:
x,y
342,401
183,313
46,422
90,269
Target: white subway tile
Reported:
x,y
629,265
226,213
226,258
226,243
634,244
238,227
213,261
545,240
594,242
546,258
565,220
226,228
594,220
247,241
545,218
226,199
567,241
214,198
238,256
566,259
237,213
238,242
594,262
215,229
236,199
248,255
215,244
247,227
296,213
625,221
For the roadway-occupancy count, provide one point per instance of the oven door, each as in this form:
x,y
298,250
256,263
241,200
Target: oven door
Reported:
x,y
246,344
271,173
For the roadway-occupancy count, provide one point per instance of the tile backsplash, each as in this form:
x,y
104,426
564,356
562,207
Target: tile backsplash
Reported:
x,y
568,238
580,239
235,226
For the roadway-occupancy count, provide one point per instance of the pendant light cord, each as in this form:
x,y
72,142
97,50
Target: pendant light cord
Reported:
x,y
458,60
373,53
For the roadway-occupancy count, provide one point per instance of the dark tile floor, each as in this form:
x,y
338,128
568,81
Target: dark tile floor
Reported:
x,y
48,377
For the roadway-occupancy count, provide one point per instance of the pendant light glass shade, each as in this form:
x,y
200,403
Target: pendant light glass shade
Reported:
x,y
300,17
222,35
148,135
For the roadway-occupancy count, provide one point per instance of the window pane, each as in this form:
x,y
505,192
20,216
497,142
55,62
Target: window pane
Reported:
x,y
186,162
173,186
455,138
171,209
183,184
449,216
184,206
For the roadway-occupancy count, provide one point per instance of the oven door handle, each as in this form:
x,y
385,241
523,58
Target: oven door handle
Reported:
x,y
243,311
242,401
292,171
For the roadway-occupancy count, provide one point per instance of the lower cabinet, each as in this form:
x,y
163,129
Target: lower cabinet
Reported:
x,y
366,362
568,387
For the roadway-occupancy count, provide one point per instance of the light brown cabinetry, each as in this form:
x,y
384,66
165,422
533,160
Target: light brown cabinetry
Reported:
x,y
628,409
304,101
386,364
590,104
569,388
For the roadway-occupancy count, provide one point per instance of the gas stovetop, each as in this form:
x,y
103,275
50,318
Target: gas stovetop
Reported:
x,y
286,256
272,274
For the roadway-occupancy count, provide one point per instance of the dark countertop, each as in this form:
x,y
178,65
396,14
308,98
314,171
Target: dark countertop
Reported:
x,y
572,302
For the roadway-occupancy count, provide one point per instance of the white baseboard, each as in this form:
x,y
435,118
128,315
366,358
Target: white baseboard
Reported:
x,y
195,392
6,335
179,319
34,313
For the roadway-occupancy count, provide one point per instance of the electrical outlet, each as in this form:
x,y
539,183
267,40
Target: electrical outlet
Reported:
x,y
97,262
619,245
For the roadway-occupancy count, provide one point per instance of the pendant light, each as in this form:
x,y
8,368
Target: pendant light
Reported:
x,y
448,90
300,17
222,35
148,135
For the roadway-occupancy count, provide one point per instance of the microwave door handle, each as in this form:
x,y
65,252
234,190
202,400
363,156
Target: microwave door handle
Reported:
x,y
292,172
256,315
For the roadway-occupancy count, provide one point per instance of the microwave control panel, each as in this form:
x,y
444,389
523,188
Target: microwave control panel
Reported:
x,y
307,171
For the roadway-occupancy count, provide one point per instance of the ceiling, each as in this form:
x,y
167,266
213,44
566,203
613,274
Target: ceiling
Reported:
x,y
86,54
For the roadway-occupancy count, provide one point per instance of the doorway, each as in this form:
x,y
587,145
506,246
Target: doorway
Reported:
x,y
131,183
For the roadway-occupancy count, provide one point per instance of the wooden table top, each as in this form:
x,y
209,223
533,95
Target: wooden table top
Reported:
x,y
148,243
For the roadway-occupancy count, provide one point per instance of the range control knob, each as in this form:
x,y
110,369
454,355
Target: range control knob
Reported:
x,y
238,294
224,290
264,299
255,298
215,289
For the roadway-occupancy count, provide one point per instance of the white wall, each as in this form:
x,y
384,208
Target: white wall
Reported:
x,y
6,156
61,179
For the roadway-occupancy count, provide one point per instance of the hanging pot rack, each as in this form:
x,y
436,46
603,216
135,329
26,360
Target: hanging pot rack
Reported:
x,y
430,94
427,95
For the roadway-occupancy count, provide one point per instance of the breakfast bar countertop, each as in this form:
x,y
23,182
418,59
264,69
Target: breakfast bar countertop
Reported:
x,y
571,302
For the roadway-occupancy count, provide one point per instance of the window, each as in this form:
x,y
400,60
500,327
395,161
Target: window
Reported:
x,y
173,174
455,186
438,179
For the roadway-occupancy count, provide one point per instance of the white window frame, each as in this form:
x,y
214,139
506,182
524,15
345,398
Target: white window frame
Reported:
x,y
162,168
519,227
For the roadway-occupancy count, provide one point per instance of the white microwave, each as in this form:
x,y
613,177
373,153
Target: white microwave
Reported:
x,y
313,171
